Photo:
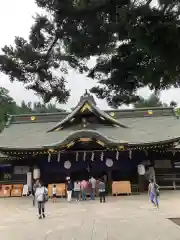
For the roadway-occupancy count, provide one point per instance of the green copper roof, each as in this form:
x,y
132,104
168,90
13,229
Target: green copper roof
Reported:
x,y
161,126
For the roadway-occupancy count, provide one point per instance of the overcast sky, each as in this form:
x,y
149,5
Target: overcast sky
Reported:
x,y
16,20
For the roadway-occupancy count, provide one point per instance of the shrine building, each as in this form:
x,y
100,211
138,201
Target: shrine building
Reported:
x,y
132,145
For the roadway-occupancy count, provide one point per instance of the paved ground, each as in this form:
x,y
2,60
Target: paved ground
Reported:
x,y
121,218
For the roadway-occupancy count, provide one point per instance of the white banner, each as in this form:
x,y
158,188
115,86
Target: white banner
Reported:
x,y
29,180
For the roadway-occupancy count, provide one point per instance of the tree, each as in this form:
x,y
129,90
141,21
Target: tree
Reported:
x,y
136,45
153,101
7,106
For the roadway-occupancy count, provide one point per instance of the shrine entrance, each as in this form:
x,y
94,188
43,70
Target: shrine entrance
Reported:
x,y
80,165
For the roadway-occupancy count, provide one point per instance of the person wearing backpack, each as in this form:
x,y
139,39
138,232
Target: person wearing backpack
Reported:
x,y
41,198
102,191
153,192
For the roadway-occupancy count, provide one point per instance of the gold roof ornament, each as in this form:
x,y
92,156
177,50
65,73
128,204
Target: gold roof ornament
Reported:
x,y
59,128
84,139
150,112
51,150
112,114
121,147
86,107
70,144
33,118
100,142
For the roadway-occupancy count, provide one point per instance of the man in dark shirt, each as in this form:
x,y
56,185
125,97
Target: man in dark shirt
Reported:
x,y
69,190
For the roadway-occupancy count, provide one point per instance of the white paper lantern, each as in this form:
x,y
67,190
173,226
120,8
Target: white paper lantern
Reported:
x,y
36,173
67,164
141,169
109,162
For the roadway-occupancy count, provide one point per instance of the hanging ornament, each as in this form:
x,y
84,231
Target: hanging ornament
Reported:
x,y
77,156
130,154
49,157
117,155
59,157
92,156
84,156
102,156
67,164
109,162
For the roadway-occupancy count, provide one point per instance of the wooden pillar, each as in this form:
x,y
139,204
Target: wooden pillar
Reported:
x,y
141,183
109,182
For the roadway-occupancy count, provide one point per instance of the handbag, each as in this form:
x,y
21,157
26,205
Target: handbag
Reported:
x,y
45,196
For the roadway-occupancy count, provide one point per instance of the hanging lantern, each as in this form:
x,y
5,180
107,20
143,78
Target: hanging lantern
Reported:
x,y
84,156
117,155
36,172
49,157
130,154
59,157
92,156
77,156
141,169
102,156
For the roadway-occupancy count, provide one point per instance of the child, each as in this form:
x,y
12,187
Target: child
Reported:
x,y
77,190
54,193
102,191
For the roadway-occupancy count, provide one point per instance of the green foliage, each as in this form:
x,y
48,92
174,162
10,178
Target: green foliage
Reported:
x,y
153,101
38,107
136,45
9,107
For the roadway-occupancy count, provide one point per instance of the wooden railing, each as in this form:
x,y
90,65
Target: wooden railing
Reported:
x,y
168,181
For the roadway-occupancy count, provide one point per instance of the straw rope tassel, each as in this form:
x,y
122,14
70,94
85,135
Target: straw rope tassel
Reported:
x,y
49,157
102,156
130,154
59,157
84,156
77,156
117,155
92,156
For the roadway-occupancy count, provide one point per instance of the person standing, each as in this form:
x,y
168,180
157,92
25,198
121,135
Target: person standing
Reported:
x,y
92,182
102,191
153,192
83,189
77,190
54,193
35,185
69,190
41,197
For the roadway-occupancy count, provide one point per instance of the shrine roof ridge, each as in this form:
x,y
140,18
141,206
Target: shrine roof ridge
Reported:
x,y
118,114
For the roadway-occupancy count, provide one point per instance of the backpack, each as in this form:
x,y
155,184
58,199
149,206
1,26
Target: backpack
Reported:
x,y
156,189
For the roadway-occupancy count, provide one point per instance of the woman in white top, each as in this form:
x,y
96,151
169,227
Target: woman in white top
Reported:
x,y
41,197
77,190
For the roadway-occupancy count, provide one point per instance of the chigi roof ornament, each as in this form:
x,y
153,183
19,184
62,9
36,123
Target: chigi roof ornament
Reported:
x,y
87,97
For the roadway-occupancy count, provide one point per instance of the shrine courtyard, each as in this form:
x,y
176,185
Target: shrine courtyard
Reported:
x,y
121,218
